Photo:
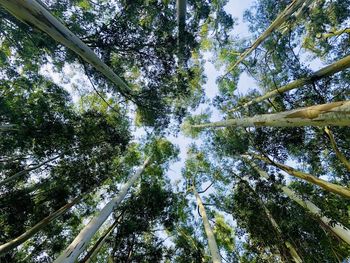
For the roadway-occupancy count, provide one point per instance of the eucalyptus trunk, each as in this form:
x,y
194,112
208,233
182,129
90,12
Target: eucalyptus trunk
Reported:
x,y
72,252
98,245
35,14
335,113
333,33
330,187
213,247
329,70
335,227
338,153
292,251
280,19
27,170
4,248
297,15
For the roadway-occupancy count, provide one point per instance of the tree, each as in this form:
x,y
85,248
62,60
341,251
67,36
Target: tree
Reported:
x,y
336,227
161,149
148,48
318,115
343,191
341,157
36,14
82,240
280,19
214,251
72,132
29,233
197,171
324,72
292,251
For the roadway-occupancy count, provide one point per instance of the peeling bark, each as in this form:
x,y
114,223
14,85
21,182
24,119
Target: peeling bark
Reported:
x,y
298,14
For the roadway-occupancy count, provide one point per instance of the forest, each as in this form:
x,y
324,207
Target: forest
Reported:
x,y
118,144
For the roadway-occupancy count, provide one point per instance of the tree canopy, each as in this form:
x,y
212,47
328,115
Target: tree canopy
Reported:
x,y
95,95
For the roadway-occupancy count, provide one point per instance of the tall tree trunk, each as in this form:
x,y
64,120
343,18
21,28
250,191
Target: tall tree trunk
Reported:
x,y
35,14
335,227
100,242
333,33
335,113
72,252
213,247
329,70
33,230
297,15
27,170
330,187
292,251
280,19
338,153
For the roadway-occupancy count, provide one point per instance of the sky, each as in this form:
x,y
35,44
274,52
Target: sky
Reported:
x,y
236,9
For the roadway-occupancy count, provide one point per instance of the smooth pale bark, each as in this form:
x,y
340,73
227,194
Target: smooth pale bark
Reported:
x,y
292,251
329,70
330,187
100,242
338,153
333,33
213,247
35,229
27,170
280,19
335,114
335,227
72,252
298,14
35,14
